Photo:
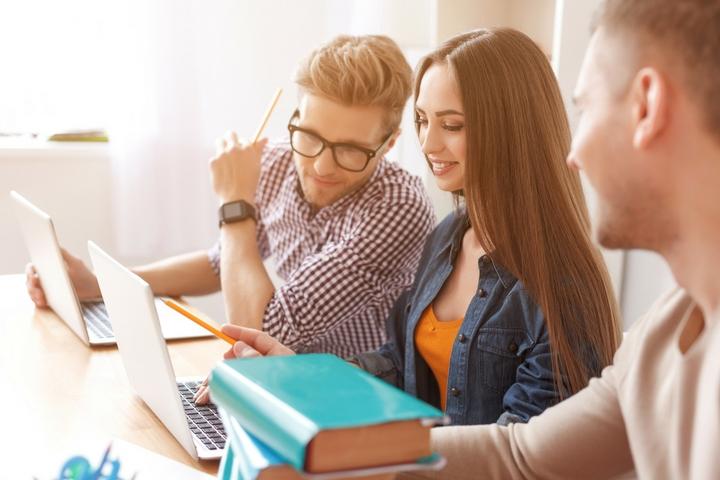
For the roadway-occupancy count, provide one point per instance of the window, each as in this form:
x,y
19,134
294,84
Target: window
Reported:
x,y
54,66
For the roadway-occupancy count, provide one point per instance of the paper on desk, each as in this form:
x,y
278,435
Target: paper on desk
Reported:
x,y
134,462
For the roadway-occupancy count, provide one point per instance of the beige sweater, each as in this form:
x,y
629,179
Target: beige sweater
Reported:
x,y
656,409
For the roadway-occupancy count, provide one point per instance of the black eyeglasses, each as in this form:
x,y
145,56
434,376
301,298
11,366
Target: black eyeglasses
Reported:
x,y
346,155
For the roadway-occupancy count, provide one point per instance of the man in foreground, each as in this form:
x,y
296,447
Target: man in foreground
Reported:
x,y
649,141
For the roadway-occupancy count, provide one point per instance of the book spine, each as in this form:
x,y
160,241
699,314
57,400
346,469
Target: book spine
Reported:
x,y
262,414
228,466
241,454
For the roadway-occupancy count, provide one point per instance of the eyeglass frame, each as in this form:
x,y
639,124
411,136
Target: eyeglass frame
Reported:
x,y
370,153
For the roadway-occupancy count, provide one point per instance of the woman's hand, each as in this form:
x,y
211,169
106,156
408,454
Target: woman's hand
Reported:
x,y
250,343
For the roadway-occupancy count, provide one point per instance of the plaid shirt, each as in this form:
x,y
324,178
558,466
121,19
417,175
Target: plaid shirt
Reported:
x,y
345,264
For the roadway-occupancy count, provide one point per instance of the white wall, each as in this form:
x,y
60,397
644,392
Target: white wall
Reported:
x,y
73,182
647,276
535,18
571,38
455,16
69,182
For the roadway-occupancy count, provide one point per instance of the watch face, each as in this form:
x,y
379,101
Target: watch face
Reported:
x,y
233,209
235,212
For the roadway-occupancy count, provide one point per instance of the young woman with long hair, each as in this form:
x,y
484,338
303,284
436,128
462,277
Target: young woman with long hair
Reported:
x,y
512,308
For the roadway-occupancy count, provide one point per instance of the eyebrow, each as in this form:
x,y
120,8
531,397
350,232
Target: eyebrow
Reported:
x,y
442,113
369,146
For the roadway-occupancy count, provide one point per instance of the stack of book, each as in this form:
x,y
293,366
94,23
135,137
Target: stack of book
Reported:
x,y
316,416
79,136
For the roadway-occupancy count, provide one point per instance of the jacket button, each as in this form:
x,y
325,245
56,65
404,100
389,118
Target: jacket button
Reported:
x,y
481,293
462,338
513,347
454,392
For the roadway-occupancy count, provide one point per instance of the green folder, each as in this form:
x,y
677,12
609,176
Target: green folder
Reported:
x,y
285,401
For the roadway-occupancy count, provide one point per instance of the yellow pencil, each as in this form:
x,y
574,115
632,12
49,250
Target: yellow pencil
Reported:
x,y
178,308
267,115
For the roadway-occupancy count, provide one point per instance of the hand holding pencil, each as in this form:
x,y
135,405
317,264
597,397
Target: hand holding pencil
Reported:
x,y
235,169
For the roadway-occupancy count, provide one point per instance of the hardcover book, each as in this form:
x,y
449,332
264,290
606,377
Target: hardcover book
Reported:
x,y
247,458
321,414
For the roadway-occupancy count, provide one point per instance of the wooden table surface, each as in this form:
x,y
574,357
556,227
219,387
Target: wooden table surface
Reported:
x,y
59,393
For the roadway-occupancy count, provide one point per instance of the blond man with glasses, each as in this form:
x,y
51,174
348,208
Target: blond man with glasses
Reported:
x,y
344,225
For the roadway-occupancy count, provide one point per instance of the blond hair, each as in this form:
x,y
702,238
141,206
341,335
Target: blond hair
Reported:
x,y
367,70
688,30
524,204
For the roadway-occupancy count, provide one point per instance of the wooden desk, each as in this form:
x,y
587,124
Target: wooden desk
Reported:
x,y
58,392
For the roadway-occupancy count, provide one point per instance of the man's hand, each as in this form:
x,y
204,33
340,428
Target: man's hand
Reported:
x,y
250,343
82,279
34,288
235,169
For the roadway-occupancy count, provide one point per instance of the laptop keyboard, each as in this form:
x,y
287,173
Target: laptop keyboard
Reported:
x,y
97,319
203,420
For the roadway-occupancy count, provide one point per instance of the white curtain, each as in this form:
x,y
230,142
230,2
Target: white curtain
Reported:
x,y
184,73
48,54
166,78
158,152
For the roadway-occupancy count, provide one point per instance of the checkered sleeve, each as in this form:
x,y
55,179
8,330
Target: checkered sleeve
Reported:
x,y
374,261
213,253
214,257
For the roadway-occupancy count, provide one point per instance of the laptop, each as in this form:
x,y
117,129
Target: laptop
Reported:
x,y
88,320
144,354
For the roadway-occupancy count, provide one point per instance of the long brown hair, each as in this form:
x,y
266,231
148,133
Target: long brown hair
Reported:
x,y
524,204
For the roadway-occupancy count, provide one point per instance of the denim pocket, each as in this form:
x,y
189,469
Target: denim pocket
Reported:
x,y
501,351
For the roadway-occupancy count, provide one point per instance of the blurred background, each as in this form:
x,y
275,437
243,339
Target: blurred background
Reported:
x,y
165,78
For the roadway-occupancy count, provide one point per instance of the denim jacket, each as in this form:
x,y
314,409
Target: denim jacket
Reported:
x,y
500,366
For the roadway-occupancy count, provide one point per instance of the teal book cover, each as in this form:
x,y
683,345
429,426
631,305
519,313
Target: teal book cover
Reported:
x,y
285,401
247,458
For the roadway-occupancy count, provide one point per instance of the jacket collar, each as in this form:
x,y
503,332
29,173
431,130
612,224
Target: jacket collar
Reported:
x,y
453,243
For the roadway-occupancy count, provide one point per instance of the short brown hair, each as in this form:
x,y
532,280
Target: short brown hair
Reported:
x,y
687,29
362,70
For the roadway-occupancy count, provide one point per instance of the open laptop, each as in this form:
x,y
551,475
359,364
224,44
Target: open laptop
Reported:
x,y
131,305
88,320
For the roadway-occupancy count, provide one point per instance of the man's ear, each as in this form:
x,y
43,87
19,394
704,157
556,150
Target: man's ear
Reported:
x,y
393,140
649,95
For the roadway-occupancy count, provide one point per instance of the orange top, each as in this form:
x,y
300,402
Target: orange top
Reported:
x,y
434,341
